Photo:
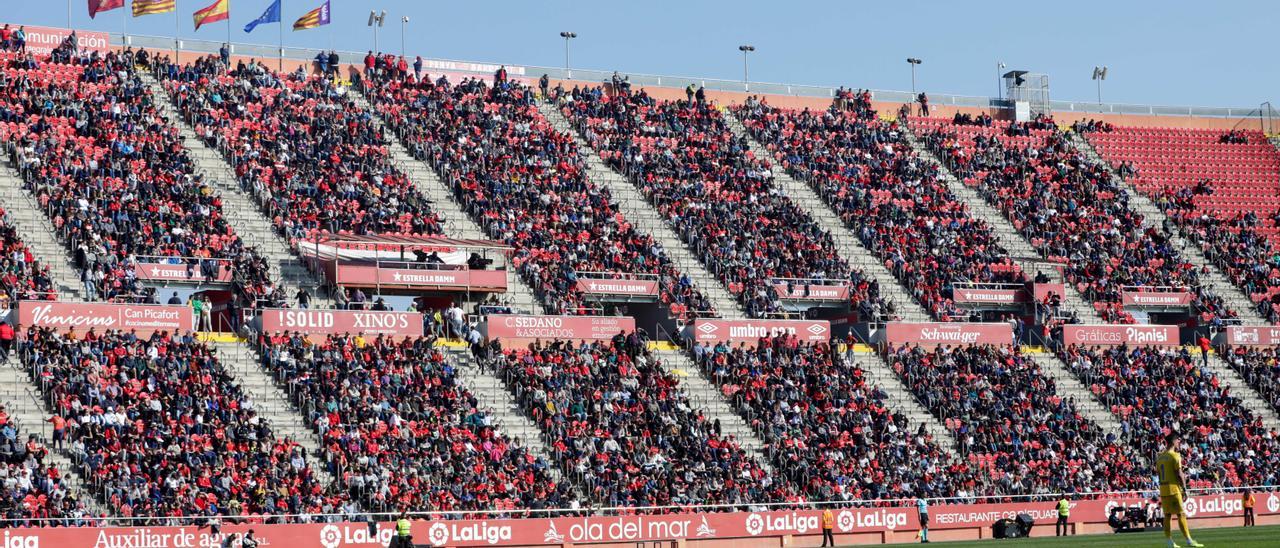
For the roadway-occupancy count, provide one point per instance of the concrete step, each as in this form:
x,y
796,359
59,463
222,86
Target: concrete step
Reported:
x,y
1216,281
638,211
272,403
900,398
1068,385
241,210
457,223
1018,246
707,398
848,246
38,233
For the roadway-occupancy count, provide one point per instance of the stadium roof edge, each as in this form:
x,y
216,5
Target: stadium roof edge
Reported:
x,y
712,84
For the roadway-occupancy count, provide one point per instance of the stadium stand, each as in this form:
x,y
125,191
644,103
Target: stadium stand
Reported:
x,y
401,431
160,430
1220,187
720,198
1260,367
1012,422
828,430
623,427
890,198
1157,391
1071,210
114,180
527,183
31,485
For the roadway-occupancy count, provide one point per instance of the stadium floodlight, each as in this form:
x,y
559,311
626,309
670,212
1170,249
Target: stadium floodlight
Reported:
x,y
404,21
999,88
567,36
1099,74
745,49
376,20
913,61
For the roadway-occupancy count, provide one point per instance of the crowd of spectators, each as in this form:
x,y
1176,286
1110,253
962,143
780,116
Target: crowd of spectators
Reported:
x,y
31,487
526,184
718,197
1013,425
828,431
1234,243
620,424
1157,391
113,176
160,429
1071,211
400,431
888,196
1260,367
313,159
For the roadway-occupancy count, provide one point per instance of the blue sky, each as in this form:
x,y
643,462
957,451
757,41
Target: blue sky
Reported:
x,y
1169,53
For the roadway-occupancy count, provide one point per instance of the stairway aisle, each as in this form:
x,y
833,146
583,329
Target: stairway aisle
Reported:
x,y
455,221
24,402
848,247
273,404
240,209
646,219
900,398
704,395
35,229
1070,386
1008,236
1215,279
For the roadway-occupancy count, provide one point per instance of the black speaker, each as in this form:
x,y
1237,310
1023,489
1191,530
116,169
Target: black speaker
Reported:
x,y
1002,528
1026,522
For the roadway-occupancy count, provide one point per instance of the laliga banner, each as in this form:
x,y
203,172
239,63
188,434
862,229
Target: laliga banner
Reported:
x,y
1114,335
948,333
339,322
618,529
523,329
144,318
751,331
1268,336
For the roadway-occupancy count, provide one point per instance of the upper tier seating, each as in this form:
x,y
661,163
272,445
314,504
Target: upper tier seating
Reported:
x,y
721,199
112,176
1222,188
1069,209
526,184
890,198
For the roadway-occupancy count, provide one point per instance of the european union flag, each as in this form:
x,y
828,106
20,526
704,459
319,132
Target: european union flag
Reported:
x,y
272,15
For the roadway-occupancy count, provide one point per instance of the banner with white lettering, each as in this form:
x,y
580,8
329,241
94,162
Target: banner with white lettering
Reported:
x,y
1114,335
143,318
1155,299
43,40
691,526
1253,335
522,329
339,322
956,333
421,278
751,331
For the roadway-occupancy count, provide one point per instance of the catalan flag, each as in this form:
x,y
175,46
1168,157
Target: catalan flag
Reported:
x,y
99,6
151,7
313,18
218,11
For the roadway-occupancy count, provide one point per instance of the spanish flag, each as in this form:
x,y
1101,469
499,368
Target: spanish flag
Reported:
x,y
313,18
214,13
150,7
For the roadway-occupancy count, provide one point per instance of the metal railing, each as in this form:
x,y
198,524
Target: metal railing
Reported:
x,y
638,80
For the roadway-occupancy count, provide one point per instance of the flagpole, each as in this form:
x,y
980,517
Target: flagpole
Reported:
x,y
124,13
229,32
280,24
177,30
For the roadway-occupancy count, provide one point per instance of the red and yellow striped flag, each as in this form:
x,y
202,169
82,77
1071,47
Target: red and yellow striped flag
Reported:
x,y
219,11
313,18
151,7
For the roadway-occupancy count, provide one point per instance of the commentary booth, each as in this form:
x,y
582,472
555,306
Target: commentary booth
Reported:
x,y
436,271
